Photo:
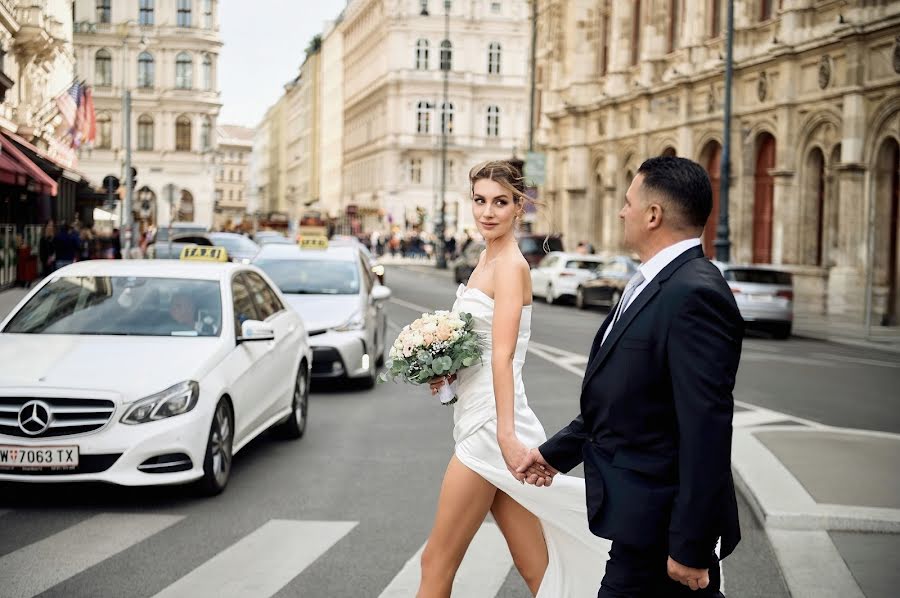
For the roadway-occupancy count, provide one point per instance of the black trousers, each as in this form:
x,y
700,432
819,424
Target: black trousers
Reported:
x,y
642,573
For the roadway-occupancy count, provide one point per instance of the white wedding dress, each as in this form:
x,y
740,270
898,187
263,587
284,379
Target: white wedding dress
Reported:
x,y
576,557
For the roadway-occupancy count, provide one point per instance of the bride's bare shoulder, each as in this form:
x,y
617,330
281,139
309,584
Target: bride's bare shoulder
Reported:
x,y
511,271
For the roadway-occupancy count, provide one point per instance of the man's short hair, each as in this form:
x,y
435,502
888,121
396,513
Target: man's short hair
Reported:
x,y
684,183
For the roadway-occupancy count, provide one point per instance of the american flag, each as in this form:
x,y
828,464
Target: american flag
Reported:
x,y
67,103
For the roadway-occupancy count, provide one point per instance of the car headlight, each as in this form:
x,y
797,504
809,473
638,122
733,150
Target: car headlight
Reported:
x,y
356,322
176,400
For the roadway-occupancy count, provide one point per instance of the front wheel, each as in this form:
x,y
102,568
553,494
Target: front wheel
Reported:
x,y
217,461
549,296
579,299
295,425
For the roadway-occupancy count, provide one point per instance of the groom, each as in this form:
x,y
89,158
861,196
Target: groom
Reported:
x,y
654,431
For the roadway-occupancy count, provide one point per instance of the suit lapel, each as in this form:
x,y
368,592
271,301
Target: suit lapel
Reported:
x,y
624,320
602,351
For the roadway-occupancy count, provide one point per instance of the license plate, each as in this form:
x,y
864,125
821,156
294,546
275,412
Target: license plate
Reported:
x,y
38,457
760,298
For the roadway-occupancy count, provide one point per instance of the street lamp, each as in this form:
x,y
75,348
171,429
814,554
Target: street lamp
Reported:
x,y
445,60
723,242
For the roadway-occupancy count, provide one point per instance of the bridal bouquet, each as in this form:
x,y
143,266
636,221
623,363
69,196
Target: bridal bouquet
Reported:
x,y
437,344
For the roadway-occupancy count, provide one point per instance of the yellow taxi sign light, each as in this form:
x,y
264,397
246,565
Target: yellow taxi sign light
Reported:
x,y
197,253
314,242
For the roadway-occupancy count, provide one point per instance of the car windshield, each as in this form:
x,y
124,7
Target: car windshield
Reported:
x,y
122,306
313,277
758,276
162,233
235,244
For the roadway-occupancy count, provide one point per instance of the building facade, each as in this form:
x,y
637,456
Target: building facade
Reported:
x,y
166,53
302,135
815,130
331,120
394,111
233,148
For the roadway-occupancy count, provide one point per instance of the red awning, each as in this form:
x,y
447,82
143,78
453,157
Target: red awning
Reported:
x,y
9,151
11,173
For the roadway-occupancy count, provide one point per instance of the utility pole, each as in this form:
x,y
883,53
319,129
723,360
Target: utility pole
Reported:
x,y
127,224
533,75
723,241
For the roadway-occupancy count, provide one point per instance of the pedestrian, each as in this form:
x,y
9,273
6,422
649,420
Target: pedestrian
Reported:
x,y
66,245
116,245
47,249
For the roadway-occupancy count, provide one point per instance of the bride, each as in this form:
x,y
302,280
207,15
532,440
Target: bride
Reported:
x,y
546,529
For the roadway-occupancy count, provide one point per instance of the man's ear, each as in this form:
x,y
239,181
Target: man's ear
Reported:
x,y
654,216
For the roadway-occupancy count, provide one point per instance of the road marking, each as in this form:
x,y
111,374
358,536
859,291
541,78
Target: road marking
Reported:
x,y
75,549
859,360
412,306
482,573
261,563
756,417
825,575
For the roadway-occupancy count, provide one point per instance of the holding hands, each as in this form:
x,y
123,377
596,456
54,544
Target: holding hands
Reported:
x,y
534,469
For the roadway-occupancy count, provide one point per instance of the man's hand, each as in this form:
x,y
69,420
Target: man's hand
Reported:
x,y
535,470
696,579
437,383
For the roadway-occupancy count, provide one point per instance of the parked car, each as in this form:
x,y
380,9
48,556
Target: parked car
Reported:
x,y
558,275
465,263
164,250
764,295
347,240
335,292
536,247
606,287
240,248
178,229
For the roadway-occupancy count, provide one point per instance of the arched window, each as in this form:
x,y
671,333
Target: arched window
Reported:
x,y
446,55
183,134
145,14
103,68
766,9
183,71
717,17
146,70
207,14
184,13
104,131
447,118
145,133
675,21
493,121
423,118
206,72
104,11
422,55
494,58
206,134
636,32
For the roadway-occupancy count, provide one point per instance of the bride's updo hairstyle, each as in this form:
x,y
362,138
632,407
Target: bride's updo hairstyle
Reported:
x,y
504,174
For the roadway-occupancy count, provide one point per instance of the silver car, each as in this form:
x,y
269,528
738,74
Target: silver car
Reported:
x,y
764,295
342,305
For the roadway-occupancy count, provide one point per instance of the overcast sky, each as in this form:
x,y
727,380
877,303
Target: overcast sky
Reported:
x,y
264,43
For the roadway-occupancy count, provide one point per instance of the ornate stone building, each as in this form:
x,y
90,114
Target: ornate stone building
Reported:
x,y
166,52
815,130
393,53
233,148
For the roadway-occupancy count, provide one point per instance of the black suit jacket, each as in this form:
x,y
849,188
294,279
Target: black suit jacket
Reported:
x,y
654,431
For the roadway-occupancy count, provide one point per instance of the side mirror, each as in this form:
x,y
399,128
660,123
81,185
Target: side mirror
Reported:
x,y
380,293
254,330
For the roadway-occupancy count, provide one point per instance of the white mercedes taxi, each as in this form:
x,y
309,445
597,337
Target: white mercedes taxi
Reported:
x,y
334,290
144,372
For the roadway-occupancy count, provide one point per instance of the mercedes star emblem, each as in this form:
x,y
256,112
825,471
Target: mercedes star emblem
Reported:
x,y
35,417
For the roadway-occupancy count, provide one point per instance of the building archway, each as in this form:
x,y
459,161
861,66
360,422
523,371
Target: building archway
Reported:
x,y
887,229
669,152
185,207
763,198
711,159
812,208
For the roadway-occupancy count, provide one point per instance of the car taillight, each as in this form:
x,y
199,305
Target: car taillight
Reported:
x,y
789,295
735,290
565,274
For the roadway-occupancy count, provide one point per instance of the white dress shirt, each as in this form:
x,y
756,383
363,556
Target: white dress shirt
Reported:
x,y
654,266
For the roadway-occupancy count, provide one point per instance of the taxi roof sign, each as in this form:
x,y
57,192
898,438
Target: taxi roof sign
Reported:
x,y
314,242
198,253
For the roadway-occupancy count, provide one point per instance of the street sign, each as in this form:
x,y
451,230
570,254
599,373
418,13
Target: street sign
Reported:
x,y
535,165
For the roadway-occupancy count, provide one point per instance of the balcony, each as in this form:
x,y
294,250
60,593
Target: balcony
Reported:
x,y
39,35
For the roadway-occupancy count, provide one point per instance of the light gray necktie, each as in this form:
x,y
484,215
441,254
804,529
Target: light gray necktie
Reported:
x,y
636,281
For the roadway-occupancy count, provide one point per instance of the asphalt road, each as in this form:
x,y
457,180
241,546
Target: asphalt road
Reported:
x,y
342,511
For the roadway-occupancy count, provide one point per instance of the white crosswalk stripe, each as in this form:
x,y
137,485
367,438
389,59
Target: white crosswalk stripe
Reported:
x,y
71,551
482,572
261,563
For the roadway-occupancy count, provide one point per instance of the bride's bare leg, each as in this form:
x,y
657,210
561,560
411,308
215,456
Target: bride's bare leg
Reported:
x,y
524,537
464,502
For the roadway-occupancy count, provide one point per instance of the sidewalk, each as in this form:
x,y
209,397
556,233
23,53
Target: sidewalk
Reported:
x,y
821,328
9,298
828,498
